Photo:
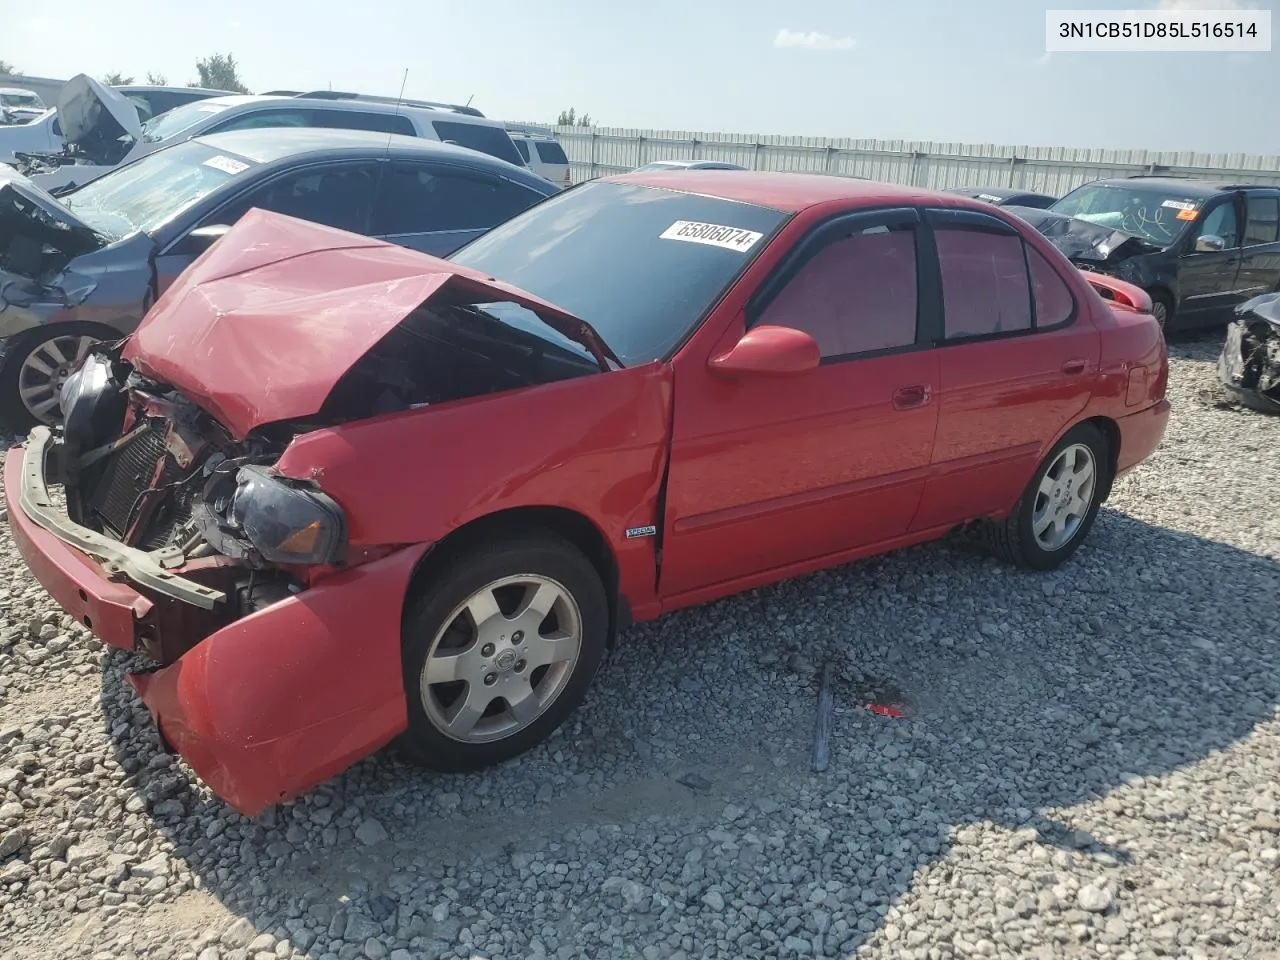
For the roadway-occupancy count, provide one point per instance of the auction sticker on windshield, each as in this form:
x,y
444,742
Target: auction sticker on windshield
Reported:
x,y
226,164
712,234
1179,204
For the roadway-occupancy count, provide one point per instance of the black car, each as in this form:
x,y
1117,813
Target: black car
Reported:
x,y
86,266
1005,196
1200,248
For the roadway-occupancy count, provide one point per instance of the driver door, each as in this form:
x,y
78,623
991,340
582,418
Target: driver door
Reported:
x,y
1207,279
770,473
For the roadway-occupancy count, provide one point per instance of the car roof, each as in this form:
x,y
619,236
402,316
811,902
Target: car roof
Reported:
x,y
1186,186
18,90
271,144
206,92
789,192
359,106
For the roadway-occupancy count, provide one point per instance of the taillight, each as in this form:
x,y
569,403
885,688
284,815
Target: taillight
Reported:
x,y
568,179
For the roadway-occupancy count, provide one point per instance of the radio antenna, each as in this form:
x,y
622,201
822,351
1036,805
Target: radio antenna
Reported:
x,y
403,80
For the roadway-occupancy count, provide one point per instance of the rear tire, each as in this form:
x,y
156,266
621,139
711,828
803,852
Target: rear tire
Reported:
x,y
499,649
1059,505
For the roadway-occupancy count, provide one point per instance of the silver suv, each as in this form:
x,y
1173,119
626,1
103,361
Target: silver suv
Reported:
x,y
463,126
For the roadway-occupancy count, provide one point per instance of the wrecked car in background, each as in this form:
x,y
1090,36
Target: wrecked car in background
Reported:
x,y
18,106
86,266
345,493
1006,196
1199,248
1249,365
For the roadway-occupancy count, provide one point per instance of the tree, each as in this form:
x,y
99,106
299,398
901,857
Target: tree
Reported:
x,y
219,72
7,69
157,79
117,80
570,118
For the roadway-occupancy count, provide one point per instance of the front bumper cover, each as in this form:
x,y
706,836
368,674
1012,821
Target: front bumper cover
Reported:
x,y
263,708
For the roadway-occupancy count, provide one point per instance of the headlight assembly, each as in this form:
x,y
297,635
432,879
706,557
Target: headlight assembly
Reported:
x,y
285,523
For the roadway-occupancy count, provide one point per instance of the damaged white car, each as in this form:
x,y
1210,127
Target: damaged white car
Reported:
x,y
99,127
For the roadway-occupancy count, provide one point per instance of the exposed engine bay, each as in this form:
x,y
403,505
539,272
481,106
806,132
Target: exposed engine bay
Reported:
x,y
1249,365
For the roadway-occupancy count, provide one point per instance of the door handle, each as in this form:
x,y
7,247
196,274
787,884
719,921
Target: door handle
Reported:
x,y
915,395
1072,367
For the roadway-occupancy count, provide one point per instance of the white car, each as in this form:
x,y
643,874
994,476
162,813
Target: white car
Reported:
x,y
44,133
18,106
113,137
542,153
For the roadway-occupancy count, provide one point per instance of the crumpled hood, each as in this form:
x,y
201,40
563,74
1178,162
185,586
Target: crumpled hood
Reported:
x,y
30,219
1265,307
87,107
1082,240
267,321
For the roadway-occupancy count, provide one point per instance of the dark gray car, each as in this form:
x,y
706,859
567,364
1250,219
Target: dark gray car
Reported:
x,y
87,266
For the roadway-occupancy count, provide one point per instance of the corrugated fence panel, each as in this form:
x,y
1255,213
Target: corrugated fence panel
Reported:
x,y
598,151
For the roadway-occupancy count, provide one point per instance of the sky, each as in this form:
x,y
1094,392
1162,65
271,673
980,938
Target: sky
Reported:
x,y
943,71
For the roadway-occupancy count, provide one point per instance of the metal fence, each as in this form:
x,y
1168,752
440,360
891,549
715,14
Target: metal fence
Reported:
x,y
598,151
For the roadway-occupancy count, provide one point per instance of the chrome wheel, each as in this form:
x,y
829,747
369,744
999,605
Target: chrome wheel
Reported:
x,y
44,371
1160,312
1064,497
501,659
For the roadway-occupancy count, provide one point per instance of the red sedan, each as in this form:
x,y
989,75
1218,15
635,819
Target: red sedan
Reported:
x,y
344,493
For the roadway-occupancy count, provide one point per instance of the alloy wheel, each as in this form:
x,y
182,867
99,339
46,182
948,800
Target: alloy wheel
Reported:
x,y
1064,497
501,659
44,371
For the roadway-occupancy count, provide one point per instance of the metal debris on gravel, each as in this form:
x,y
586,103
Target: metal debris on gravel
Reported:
x,y
1090,767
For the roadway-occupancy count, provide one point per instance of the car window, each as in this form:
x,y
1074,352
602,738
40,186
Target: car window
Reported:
x,y
360,120
549,152
1221,222
1262,220
522,147
475,136
264,118
418,199
855,295
172,122
140,103
336,196
641,265
1053,299
985,288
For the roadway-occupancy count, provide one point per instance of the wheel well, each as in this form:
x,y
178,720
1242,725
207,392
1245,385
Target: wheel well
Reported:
x,y
1111,433
556,521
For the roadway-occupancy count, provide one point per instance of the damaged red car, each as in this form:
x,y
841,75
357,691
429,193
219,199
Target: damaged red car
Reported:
x,y
344,494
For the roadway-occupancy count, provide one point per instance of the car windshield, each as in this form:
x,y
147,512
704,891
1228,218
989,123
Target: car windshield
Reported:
x,y
21,100
1155,214
172,122
149,192
640,265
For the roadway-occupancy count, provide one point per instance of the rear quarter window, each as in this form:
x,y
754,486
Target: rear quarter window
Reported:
x,y
523,147
491,140
550,153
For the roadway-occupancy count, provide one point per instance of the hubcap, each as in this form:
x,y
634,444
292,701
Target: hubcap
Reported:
x,y
1064,497
45,370
1160,312
501,659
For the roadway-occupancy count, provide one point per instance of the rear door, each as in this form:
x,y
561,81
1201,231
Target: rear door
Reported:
x,y
1260,250
1207,280
436,208
768,473
1018,361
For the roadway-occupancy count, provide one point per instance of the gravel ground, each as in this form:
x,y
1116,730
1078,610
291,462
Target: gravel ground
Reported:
x,y
1091,768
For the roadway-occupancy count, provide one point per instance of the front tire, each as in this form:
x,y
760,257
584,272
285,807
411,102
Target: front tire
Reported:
x,y
1059,505
35,365
499,649
1162,310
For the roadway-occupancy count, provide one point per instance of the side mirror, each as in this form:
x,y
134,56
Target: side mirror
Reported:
x,y
202,238
1210,243
768,351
